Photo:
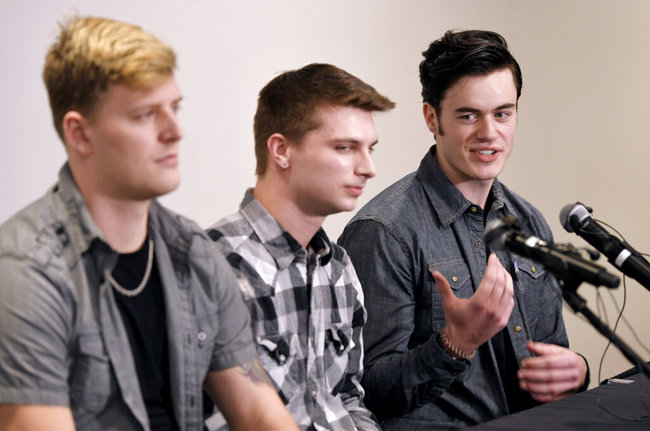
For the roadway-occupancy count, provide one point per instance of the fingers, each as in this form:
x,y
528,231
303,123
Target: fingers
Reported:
x,y
551,356
553,374
496,290
446,295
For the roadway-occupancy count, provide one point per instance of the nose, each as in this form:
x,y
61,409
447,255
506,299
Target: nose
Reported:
x,y
487,129
171,130
365,165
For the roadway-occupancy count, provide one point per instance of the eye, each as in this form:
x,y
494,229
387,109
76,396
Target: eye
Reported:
x,y
144,115
343,147
468,117
503,114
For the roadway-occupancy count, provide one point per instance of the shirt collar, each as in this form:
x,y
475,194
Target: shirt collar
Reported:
x,y
82,228
447,201
278,242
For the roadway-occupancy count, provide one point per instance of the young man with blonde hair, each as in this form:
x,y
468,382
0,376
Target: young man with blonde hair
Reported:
x,y
115,312
314,133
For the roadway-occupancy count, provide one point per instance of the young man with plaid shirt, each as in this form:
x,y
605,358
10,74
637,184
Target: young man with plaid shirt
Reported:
x,y
314,133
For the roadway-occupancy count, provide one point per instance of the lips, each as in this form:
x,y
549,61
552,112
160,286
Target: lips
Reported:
x,y
486,154
168,160
355,190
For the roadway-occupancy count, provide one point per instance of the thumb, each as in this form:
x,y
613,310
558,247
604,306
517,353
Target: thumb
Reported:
x,y
446,295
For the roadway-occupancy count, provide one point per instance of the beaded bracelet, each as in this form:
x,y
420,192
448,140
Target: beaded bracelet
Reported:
x,y
451,349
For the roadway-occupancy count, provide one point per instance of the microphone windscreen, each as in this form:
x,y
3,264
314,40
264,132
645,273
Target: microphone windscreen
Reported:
x,y
565,216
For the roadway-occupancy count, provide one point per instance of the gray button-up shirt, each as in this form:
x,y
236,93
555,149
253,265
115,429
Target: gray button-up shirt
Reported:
x,y
419,225
62,341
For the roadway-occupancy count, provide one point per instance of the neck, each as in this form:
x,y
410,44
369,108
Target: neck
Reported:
x,y
122,223
277,200
476,191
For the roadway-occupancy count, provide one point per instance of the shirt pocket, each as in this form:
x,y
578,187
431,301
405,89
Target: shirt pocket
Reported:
x,y
338,344
458,276
278,355
91,380
534,296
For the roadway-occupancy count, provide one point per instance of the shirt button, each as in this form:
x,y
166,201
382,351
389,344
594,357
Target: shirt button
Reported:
x,y
478,243
517,328
532,268
282,358
313,393
454,278
201,336
473,209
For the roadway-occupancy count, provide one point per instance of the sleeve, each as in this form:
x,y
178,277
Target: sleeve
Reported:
x,y
352,392
399,377
35,332
234,343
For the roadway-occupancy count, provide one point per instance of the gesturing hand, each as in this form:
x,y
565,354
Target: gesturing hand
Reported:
x,y
472,321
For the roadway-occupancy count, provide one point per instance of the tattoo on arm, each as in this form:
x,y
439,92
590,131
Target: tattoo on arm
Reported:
x,y
254,371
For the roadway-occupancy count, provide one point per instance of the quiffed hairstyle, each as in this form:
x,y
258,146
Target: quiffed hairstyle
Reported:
x,y
460,54
92,53
287,104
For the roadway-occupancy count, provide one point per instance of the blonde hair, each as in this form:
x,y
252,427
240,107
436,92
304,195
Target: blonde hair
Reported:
x,y
92,53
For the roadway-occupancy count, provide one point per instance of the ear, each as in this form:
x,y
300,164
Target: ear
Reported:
x,y
430,118
75,133
279,150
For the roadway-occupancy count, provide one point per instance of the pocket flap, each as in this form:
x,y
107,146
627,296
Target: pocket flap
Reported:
x,y
455,272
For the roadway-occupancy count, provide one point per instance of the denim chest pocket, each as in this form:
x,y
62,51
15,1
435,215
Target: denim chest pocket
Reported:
x,y
278,355
338,343
91,380
457,275
528,268
534,297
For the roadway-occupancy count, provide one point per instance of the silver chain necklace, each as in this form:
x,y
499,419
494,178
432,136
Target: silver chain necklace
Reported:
x,y
147,273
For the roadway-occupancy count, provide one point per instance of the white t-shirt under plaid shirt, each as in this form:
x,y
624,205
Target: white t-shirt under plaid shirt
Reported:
x,y
307,314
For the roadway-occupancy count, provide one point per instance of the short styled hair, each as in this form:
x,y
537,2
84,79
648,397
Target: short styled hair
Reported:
x,y
463,53
92,53
288,103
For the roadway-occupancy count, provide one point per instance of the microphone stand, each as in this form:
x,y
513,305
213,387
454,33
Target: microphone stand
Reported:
x,y
579,305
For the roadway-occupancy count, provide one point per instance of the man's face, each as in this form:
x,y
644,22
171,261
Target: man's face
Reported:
x,y
475,128
331,164
134,136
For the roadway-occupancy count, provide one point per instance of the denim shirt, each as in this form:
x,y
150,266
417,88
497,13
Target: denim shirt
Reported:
x,y
418,225
62,341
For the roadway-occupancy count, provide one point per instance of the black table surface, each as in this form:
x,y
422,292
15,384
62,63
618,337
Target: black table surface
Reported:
x,y
628,397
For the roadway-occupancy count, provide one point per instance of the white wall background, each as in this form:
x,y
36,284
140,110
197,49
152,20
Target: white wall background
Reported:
x,y
583,125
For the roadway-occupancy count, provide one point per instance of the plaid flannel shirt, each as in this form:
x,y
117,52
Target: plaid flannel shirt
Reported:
x,y
307,314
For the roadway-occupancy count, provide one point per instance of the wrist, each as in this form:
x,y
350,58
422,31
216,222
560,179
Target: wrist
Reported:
x,y
453,350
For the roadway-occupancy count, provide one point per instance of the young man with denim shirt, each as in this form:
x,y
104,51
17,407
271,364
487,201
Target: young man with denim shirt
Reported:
x,y
472,335
115,313
314,133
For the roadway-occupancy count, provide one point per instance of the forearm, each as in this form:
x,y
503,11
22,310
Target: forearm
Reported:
x,y
247,400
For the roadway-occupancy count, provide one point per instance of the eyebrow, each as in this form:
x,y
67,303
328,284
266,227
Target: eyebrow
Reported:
x,y
352,141
475,110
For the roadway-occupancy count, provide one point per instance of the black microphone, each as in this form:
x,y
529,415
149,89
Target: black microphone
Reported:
x,y
506,233
577,218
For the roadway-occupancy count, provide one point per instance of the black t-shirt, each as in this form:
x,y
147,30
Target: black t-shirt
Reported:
x,y
144,319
